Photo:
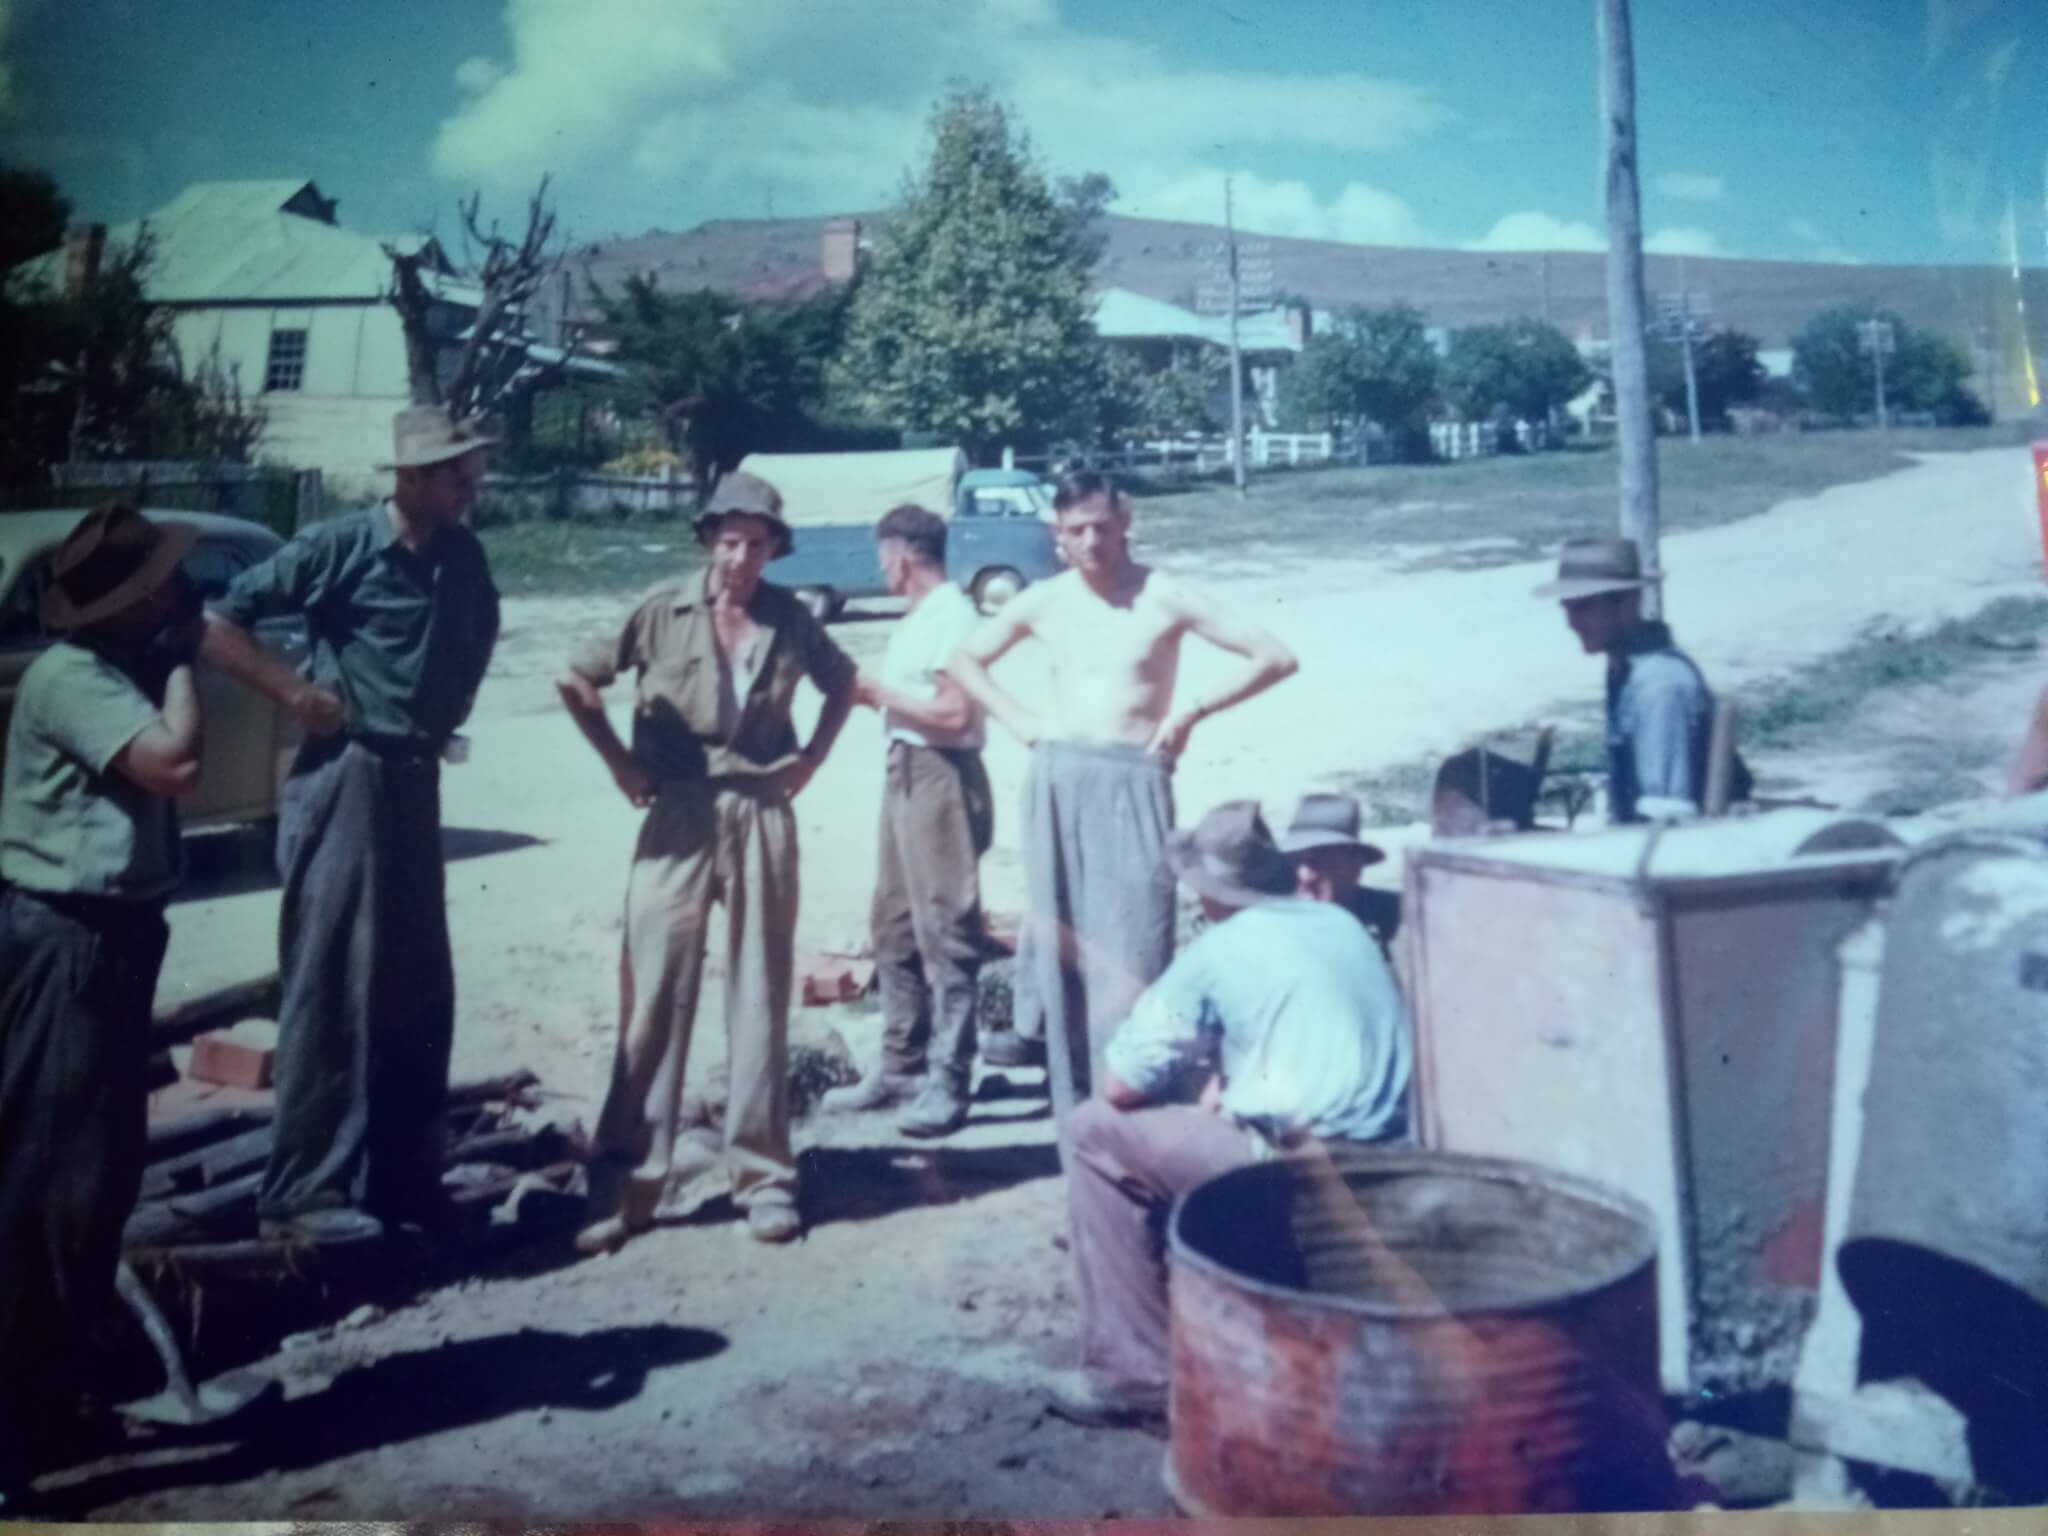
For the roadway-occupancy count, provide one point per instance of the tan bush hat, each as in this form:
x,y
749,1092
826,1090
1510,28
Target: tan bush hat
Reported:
x,y
427,434
750,495
1327,821
1229,857
1589,567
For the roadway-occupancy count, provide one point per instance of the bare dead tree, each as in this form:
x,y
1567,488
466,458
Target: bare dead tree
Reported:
x,y
494,370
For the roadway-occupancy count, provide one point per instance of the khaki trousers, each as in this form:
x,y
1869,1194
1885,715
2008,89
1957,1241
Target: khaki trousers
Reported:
x,y
700,844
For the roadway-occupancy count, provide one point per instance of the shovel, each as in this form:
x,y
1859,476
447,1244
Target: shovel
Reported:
x,y
180,1403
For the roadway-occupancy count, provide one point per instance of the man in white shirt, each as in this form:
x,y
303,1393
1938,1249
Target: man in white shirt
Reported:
x,y
937,822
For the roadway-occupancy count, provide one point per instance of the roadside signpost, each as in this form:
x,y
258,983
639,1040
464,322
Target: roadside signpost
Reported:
x,y
1241,277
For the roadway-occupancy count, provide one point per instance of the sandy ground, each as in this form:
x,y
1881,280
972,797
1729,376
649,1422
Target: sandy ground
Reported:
x,y
879,1367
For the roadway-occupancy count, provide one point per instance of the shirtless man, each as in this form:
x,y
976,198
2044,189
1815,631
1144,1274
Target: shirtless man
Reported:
x,y
1098,804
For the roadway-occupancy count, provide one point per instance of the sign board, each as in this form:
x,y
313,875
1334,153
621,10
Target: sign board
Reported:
x,y
1875,336
1678,313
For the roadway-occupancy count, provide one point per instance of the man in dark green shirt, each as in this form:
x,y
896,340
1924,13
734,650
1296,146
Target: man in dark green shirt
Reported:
x,y
402,616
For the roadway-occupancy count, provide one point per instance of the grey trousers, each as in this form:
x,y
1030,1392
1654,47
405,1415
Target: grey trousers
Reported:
x,y
77,984
368,1014
1100,899
1124,1170
937,822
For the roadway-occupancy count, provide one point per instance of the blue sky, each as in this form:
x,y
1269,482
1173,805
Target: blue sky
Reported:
x,y
1873,130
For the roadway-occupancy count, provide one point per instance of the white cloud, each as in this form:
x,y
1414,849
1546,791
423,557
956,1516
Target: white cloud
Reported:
x,y
1531,229
652,112
1693,186
1360,214
1683,241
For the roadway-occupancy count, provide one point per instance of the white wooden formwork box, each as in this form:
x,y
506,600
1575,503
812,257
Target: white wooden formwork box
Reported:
x,y
1655,1008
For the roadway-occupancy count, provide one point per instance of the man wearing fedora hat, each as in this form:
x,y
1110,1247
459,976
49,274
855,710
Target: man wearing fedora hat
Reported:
x,y
715,763
1329,857
402,616
105,736
1660,712
1291,1004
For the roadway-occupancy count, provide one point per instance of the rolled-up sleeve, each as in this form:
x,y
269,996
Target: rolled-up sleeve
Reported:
x,y
1167,1028
600,661
292,581
828,667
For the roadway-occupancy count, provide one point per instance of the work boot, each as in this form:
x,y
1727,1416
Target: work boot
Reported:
x,y
774,1221
878,1090
331,1226
1079,1398
1007,1048
939,1111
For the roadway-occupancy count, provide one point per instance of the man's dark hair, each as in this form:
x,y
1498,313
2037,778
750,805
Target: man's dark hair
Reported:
x,y
1083,484
923,533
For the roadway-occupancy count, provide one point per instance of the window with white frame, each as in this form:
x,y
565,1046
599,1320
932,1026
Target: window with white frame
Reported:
x,y
285,368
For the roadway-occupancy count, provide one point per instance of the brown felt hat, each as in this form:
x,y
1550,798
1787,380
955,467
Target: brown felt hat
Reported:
x,y
1589,567
750,496
1229,857
113,559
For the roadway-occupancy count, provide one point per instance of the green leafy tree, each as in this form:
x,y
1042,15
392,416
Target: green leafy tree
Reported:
x,y
1166,401
1521,369
1924,372
1726,372
720,378
973,323
1375,365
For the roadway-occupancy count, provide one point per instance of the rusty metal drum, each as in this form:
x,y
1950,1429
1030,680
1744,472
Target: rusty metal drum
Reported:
x,y
1399,1331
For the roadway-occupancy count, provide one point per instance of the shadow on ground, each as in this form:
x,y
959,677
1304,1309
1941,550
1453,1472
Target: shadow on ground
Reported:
x,y
409,1397
862,1183
238,862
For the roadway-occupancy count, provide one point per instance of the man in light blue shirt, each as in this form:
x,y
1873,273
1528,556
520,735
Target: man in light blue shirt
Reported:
x,y
1291,1005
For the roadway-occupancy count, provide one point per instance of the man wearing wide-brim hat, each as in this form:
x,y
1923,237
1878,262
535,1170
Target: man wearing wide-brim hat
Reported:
x,y
1660,712
1322,838
1291,1005
105,735
402,617
716,658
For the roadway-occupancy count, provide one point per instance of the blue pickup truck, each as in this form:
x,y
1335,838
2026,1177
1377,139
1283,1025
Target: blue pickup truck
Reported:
x,y
998,535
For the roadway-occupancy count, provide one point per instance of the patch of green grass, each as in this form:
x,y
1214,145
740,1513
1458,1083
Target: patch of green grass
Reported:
x,y
579,559
1529,504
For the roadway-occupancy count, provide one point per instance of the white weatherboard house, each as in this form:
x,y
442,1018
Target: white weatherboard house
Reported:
x,y
296,305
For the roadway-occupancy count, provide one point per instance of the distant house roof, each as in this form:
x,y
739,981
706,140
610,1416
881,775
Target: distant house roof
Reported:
x,y
265,242
1121,315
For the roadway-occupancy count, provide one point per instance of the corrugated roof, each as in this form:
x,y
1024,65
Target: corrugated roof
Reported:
x,y
1121,315
224,242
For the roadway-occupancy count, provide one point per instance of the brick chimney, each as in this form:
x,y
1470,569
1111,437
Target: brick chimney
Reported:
x,y
84,245
840,250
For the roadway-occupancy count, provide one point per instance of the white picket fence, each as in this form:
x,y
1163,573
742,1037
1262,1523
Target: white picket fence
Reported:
x,y
1262,450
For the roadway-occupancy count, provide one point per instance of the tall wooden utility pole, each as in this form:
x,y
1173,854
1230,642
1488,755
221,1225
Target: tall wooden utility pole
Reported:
x,y
1625,317
1236,362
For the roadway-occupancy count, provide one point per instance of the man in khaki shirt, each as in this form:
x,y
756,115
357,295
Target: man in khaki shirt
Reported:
x,y
105,735
714,760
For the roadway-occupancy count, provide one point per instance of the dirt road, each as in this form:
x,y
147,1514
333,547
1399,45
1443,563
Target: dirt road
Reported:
x,y
878,1367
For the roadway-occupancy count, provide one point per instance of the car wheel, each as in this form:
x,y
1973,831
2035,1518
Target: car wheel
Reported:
x,y
821,603
995,587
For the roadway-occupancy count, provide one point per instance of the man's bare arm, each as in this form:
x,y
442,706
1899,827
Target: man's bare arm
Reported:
x,y
996,637
165,757
1268,659
231,648
2030,769
585,704
948,714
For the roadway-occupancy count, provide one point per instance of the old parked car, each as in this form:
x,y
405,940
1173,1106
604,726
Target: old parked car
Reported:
x,y
998,534
249,740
